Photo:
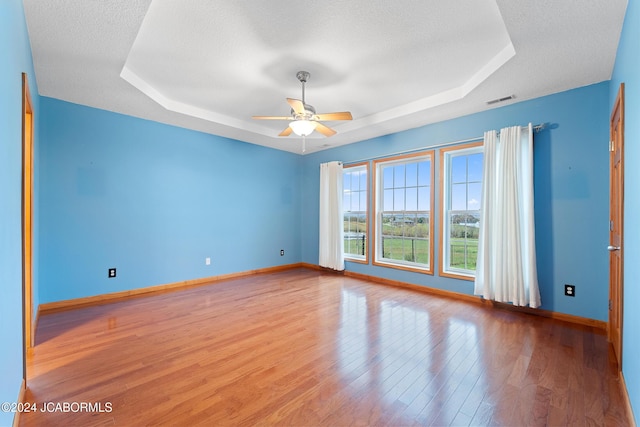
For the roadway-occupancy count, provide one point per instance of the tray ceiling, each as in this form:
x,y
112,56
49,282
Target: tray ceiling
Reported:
x,y
210,66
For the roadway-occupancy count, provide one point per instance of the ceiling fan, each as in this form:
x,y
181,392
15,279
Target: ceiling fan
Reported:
x,y
304,119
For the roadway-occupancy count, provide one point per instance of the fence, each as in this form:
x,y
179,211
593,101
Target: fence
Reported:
x,y
355,243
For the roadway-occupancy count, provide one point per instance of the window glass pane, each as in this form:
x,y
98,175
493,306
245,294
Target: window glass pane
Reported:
x,y
348,234
363,180
398,176
474,196
362,223
387,177
424,173
424,198
355,182
347,223
388,200
402,222
421,248
354,202
398,199
346,201
389,248
363,201
422,225
472,254
475,167
410,225
412,174
412,199
355,234
458,169
458,197
408,250
456,243
457,254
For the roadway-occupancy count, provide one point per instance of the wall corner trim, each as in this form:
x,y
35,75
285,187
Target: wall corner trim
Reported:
x,y
21,397
627,402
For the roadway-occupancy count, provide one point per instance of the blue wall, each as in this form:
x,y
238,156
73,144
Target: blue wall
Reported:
x,y
571,193
154,201
15,52
627,71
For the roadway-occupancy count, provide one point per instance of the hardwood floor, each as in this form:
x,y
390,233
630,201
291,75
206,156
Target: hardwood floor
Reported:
x,y
307,348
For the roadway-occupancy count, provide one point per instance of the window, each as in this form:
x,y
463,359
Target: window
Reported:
x,y
354,206
403,220
461,169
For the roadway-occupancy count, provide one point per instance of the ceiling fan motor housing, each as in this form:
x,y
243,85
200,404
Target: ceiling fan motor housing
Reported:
x,y
309,112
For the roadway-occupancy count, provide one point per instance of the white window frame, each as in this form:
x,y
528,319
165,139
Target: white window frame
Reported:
x,y
378,258
446,155
357,167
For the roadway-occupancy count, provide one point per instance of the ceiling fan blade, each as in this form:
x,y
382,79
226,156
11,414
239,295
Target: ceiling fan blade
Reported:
x,y
325,130
343,115
271,117
286,132
297,105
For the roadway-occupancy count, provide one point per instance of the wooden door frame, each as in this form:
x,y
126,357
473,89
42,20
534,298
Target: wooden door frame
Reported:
x,y
27,222
617,111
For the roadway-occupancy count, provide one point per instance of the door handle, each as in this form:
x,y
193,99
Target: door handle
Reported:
x,y
613,248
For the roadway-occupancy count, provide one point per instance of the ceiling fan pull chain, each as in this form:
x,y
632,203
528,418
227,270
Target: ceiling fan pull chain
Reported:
x,y
304,143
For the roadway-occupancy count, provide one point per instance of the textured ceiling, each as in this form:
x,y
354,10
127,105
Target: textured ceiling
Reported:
x,y
211,65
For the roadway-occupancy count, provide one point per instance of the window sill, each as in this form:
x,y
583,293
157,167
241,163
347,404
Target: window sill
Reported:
x,y
459,276
357,260
403,267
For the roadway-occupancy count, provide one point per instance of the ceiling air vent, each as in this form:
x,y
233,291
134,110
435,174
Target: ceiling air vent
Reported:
x,y
495,101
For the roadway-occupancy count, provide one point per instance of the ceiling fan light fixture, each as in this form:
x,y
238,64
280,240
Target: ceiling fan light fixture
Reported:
x,y
302,127
303,119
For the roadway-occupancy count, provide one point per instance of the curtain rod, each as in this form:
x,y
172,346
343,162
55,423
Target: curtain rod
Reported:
x,y
536,129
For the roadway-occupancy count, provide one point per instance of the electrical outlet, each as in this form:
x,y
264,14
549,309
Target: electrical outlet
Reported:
x,y
570,290
207,261
112,273
281,252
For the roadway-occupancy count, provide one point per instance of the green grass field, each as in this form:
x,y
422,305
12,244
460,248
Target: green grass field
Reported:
x,y
354,246
412,250
463,255
461,252
417,250
355,225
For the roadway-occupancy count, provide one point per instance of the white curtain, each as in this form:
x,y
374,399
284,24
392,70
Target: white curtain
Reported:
x,y
331,221
506,267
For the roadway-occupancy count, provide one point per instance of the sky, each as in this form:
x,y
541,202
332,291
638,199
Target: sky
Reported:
x,y
407,186
466,182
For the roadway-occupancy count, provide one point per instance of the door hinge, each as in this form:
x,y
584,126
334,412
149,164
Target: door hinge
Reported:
x,y
610,305
611,146
611,225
